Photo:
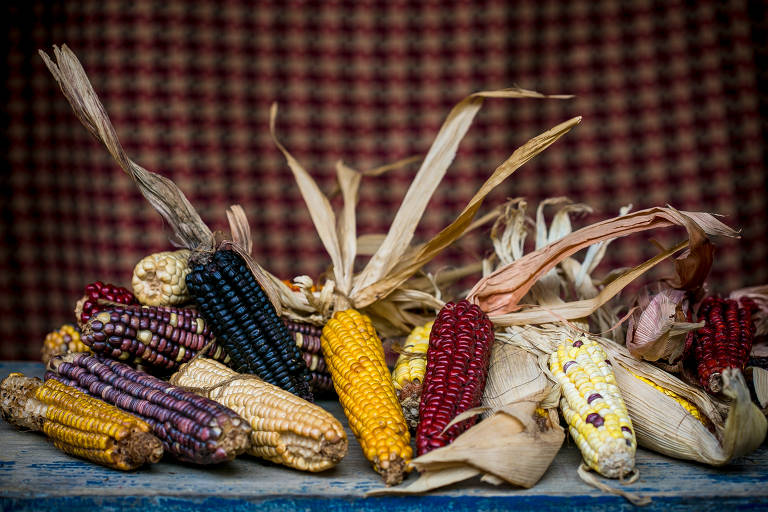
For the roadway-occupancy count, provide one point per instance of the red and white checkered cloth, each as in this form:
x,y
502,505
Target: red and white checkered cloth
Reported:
x,y
670,94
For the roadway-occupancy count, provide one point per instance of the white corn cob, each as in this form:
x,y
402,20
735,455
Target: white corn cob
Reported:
x,y
592,405
287,429
160,279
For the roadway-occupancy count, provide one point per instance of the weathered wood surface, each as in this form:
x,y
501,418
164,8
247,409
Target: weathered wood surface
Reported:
x,y
36,476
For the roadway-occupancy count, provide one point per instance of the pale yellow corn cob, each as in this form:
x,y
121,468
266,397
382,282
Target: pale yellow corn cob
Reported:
x,y
160,279
412,363
287,429
66,339
593,408
688,406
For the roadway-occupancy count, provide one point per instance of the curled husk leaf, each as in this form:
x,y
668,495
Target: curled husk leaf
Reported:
x,y
657,329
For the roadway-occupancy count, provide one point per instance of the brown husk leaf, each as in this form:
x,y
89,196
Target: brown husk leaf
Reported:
x,y
501,291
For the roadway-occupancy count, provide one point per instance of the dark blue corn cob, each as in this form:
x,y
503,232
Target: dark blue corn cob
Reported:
x,y
191,428
245,323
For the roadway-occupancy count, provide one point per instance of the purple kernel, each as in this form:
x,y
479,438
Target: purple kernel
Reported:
x,y
608,363
578,343
593,397
568,365
629,443
595,419
626,429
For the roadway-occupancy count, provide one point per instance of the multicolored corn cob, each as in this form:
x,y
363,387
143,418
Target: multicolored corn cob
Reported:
x,y
408,374
97,296
160,278
191,428
355,358
78,424
66,339
286,429
457,366
307,338
245,323
155,336
593,408
725,341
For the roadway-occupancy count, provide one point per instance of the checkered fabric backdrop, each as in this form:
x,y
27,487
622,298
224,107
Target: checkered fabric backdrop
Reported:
x,y
670,93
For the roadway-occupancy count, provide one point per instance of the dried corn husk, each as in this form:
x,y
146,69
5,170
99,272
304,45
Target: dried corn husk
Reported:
x,y
760,382
658,328
759,295
382,288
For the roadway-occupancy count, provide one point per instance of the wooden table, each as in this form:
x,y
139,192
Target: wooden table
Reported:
x,y
36,476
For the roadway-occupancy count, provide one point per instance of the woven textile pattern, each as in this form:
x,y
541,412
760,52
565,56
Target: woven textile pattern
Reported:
x,y
669,91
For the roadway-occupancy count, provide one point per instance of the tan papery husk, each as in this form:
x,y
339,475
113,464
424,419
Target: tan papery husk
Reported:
x,y
658,328
189,230
514,445
393,259
501,291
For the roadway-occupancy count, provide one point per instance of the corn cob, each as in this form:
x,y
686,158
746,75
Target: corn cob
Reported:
x,y
245,323
160,279
191,428
286,429
78,424
355,358
408,374
97,295
159,337
66,339
593,408
725,341
307,338
685,404
457,366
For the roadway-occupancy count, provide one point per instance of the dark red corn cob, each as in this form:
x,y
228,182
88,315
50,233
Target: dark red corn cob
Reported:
x,y
457,365
191,428
96,295
307,338
155,336
725,340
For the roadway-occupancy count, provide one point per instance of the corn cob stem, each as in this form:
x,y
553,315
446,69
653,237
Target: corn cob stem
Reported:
x,y
78,424
246,324
355,358
593,408
286,429
159,337
192,428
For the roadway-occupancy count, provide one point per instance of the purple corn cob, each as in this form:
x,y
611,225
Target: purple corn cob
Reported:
x,y
154,336
192,428
307,338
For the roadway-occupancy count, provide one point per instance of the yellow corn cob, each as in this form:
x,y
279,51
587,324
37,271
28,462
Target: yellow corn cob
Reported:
x,y
593,408
286,429
65,340
159,279
79,424
688,406
355,359
412,363
408,374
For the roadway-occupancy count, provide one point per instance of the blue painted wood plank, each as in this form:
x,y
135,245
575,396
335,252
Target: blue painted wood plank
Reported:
x,y
36,476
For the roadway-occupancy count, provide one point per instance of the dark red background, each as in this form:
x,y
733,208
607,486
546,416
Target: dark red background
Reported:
x,y
673,96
